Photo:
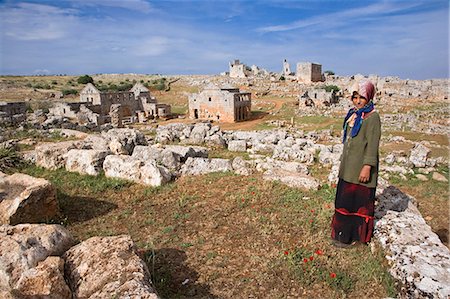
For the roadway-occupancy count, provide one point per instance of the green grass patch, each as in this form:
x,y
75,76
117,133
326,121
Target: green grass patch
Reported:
x,y
63,179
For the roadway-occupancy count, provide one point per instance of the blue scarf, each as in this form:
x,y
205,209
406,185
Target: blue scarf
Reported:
x,y
359,119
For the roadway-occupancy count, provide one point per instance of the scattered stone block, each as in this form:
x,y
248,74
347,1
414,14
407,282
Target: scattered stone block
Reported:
x,y
24,246
417,257
129,168
237,146
439,177
419,154
108,267
46,280
53,155
197,166
292,179
85,161
26,199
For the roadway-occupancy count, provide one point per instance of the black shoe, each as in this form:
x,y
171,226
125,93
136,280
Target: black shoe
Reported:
x,y
338,244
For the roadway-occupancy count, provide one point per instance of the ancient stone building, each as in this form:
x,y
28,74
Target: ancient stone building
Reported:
x,y
308,72
12,112
95,106
286,69
226,104
238,70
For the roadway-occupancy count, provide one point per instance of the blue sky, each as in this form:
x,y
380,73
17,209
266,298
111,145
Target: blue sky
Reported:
x,y
409,39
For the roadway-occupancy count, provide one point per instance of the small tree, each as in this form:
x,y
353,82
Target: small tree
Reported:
x,y
329,88
85,79
329,72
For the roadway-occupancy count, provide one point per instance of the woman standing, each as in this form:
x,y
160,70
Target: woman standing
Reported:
x,y
358,172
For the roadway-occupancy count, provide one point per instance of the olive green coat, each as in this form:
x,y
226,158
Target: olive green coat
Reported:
x,y
362,150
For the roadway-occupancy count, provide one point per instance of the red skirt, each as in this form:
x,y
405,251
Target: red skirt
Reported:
x,y
353,216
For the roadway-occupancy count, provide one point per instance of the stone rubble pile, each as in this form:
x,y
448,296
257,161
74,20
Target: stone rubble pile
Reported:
x,y
38,261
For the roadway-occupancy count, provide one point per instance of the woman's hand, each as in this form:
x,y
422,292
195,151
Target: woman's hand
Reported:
x,y
364,175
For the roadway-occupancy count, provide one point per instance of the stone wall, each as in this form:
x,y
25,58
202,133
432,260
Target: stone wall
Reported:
x,y
308,72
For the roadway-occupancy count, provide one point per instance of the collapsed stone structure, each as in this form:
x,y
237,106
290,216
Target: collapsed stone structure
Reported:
x,y
135,105
238,69
318,97
12,112
226,104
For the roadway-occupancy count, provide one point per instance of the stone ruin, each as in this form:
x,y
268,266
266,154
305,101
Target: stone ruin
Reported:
x,y
418,261
318,97
225,104
308,72
136,105
12,112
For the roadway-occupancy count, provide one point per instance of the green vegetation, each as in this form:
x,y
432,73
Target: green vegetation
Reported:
x,y
69,91
9,159
329,88
329,72
85,79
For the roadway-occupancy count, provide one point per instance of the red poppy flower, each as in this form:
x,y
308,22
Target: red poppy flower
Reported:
x,y
286,252
310,220
312,211
319,252
253,193
333,275
311,258
305,260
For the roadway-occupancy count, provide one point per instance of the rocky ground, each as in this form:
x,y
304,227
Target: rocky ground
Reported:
x,y
284,143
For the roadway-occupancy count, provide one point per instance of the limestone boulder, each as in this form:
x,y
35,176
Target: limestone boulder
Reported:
x,y
292,179
122,140
96,142
215,140
419,154
294,153
197,166
46,280
439,177
107,267
165,157
199,132
242,167
416,256
24,246
53,155
85,161
127,167
188,151
26,199
237,146
269,164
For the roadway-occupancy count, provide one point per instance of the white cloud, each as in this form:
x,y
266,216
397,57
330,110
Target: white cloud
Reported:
x,y
153,46
31,22
332,19
41,72
136,5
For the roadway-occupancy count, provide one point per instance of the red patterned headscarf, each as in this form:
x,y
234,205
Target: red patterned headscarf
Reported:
x,y
364,88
